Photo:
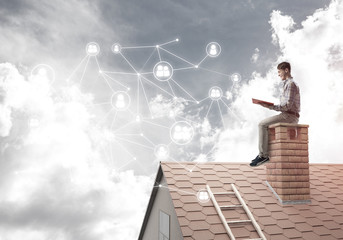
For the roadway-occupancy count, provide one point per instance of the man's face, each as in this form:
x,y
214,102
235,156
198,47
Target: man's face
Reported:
x,y
283,74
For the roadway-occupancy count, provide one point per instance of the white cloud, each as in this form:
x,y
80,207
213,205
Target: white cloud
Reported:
x,y
57,182
315,53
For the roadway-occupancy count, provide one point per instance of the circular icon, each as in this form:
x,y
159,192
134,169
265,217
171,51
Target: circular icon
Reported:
x,y
116,48
43,72
213,49
120,101
163,71
92,49
203,196
215,93
235,77
161,151
181,133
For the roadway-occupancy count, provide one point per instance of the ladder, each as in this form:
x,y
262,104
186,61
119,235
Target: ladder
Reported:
x,y
241,205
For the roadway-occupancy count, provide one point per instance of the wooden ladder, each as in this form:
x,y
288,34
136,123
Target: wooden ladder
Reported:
x,y
242,205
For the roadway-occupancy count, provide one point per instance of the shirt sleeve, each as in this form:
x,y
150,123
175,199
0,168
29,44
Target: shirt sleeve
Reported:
x,y
288,98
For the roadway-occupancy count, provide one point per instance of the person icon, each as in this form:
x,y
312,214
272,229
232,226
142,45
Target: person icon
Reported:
x,y
213,50
42,71
160,71
213,93
116,48
186,134
92,48
120,104
166,71
162,152
178,133
203,196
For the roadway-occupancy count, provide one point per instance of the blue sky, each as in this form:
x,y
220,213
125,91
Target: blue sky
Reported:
x,y
73,166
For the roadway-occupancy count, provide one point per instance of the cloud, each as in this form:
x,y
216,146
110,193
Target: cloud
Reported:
x,y
56,182
315,53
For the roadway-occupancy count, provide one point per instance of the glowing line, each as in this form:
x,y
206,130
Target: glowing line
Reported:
x,y
149,140
203,99
184,90
157,86
209,109
146,98
171,88
139,144
124,73
178,57
221,115
202,60
105,116
96,59
137,47
103,76
128,62
185,68
197,163
75,69
158,125
114,119
124,126
226,75
84,70
119,83
138,95
231,110
159,54
148,59
163,44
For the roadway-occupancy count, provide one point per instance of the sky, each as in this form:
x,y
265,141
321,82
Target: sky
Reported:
x,y
93,94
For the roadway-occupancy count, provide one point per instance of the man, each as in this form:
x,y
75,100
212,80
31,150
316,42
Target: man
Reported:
x,y
289,107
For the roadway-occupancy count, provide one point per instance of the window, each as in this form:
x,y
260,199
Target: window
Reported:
x,y
164,226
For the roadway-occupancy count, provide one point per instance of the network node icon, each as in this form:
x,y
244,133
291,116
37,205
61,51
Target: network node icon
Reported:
x,y
161,151
235,77
213,49
120,101
43,72
163,71
92,49
181,133
215,93
116,48
203,196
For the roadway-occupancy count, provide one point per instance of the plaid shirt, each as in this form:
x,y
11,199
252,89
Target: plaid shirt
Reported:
x,y
290,97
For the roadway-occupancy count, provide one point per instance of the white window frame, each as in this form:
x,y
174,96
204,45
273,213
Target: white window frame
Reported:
x,y
162,235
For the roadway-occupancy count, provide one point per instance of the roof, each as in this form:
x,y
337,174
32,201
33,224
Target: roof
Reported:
x,y
321,219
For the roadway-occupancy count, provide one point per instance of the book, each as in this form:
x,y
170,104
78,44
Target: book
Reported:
x,y
257,101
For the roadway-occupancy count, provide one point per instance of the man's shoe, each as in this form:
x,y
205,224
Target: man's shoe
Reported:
x,y
258,161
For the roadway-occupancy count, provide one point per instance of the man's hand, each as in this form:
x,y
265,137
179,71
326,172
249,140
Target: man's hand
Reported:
x,y
266,105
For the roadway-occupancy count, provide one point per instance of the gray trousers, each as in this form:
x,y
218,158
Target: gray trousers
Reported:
x,y
263,130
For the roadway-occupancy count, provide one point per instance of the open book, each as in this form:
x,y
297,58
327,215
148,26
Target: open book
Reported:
x,y
257,101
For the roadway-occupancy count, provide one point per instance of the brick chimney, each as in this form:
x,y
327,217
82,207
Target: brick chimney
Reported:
x,y
288,169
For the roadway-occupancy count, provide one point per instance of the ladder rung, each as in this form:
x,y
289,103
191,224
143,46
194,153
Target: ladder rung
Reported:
x,y
223,193
231,206
239,221
253,239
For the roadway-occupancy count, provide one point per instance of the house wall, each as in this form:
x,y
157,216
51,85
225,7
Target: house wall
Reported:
x,y
162,202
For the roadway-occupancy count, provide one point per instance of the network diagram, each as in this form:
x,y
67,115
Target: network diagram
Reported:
x,y
156,71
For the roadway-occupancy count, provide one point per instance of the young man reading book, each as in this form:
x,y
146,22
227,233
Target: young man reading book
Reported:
x,y
289,107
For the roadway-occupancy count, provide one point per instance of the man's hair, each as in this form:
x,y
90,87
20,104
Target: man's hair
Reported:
x,y
284,65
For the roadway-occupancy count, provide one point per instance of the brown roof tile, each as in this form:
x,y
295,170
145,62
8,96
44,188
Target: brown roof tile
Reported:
x,y
320,219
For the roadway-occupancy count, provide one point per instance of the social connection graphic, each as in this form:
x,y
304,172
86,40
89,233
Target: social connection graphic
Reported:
x,y
129,101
